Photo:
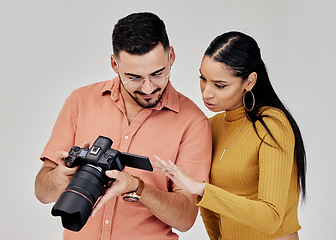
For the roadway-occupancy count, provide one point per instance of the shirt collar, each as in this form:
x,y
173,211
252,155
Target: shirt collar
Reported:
x,y
235,114
170,97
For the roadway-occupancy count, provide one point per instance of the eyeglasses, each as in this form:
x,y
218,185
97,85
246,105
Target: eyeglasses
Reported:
x,y
136,82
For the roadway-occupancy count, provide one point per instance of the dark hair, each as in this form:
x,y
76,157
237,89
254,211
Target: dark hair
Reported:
x,y
139,33
241,53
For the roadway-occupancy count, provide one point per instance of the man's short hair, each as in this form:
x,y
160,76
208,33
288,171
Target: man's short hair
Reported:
x,y
139,33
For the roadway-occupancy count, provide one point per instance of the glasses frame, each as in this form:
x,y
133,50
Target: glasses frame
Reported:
x,y
143,79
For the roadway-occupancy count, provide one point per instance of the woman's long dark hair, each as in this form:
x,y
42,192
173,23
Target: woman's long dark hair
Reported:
x,y
241,53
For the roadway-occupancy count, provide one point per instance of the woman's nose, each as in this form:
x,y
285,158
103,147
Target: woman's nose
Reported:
x,y
207,92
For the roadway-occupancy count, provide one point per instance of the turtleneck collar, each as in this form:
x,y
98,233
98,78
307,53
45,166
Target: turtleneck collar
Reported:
x,y
235,114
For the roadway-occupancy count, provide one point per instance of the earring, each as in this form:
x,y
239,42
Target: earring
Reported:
x,y
253,101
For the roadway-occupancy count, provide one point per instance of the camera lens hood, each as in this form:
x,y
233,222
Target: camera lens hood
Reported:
x,y
75,204
75,212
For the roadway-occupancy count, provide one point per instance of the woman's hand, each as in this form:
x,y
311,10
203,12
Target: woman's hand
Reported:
x,y
179,177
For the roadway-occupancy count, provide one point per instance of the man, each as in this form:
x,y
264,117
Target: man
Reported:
x,y
143,114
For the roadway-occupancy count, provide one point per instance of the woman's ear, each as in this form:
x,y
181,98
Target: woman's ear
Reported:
x,y
251,81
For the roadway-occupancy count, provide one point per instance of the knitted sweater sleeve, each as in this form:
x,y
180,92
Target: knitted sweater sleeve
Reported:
x,y
211,222
275,167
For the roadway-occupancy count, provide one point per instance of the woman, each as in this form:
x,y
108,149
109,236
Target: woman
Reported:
x,y
258,165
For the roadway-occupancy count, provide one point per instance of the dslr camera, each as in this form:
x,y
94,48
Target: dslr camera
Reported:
x,y
75,204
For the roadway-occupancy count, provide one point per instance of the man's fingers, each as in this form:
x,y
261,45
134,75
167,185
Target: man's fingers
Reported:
x,y
99,205
109,194
59,155
86,145
112,174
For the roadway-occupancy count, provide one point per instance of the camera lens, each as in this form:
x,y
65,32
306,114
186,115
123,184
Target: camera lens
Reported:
x,y
76,202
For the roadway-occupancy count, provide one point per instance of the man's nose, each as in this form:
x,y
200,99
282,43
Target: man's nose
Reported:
x,y
147,87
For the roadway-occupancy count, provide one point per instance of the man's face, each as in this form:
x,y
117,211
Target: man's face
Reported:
x,y
130,66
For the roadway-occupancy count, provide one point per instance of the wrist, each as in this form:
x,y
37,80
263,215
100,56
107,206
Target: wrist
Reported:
x,y
135,195
135,184
201,187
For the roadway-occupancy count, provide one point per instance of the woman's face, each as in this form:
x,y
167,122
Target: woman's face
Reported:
x,y
220,89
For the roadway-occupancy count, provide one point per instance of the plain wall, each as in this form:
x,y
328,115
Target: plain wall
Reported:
x,y
49,48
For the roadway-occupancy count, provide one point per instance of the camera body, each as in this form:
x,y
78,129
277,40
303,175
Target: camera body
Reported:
x,y
99,155
75,204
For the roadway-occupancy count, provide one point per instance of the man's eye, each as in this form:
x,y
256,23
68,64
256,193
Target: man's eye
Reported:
x,y
157,76
135,79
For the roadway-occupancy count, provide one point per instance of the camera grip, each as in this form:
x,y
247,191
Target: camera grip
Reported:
x,y
76,157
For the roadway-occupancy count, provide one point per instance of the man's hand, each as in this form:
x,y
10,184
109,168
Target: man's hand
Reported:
x,y
176,209
123,183
53,177
62,173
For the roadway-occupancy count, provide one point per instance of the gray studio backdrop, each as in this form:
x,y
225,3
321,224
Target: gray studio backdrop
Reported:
x,y
49,48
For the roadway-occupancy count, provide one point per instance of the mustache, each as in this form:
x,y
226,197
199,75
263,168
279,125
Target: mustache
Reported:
x,y
141,93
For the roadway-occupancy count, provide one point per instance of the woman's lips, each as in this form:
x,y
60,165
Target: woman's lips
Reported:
x,y
209,105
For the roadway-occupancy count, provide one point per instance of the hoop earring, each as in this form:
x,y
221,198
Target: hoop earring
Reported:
x,y
253,101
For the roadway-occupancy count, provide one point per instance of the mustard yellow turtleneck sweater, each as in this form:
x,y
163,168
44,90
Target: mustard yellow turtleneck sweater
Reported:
x,y
253,191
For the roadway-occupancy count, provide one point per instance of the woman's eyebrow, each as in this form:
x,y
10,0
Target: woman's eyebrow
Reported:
x,y
215,81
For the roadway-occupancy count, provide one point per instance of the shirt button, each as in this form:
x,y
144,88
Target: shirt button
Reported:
x,y
107,221
126,137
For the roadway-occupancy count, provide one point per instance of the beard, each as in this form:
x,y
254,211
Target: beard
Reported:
x,y
146,103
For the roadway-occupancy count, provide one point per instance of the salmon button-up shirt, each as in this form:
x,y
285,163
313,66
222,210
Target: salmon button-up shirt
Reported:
x,y
174,129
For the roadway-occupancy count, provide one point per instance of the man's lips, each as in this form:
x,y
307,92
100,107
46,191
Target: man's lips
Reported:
x,y
147,96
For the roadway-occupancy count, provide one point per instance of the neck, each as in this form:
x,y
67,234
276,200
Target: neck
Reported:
x,y
235,114
131,107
